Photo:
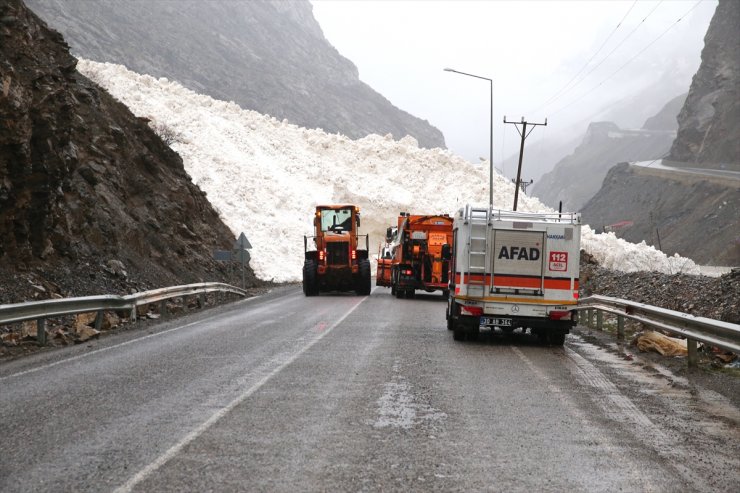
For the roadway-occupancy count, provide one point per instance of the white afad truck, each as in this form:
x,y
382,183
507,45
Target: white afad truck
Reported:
x,y
513,270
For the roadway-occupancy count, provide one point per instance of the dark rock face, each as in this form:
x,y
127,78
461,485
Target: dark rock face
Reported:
x,y
696,217
576,178
709,123
267,56
83,182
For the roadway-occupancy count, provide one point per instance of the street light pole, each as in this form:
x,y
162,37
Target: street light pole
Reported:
x,y
490,135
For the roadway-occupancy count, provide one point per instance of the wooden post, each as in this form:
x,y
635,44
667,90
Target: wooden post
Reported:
x,y
620,327
599,319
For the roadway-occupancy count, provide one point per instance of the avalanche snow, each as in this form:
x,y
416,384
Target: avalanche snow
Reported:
x,y
265,176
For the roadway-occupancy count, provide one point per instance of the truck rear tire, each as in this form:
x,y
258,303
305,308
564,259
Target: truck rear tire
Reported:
x,y
458,332
556,338
310,278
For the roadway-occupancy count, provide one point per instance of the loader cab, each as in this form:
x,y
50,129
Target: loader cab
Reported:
x,y
337,220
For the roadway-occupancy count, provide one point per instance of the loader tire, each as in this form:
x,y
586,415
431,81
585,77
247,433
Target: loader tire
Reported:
x,y
310,279
363,280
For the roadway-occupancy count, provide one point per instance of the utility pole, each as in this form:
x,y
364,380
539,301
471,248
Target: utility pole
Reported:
x,y
523,134
523,184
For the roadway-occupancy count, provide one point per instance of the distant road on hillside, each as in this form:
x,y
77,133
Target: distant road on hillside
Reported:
x,y
660,164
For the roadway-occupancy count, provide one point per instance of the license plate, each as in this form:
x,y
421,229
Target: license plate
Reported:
x,y
498,322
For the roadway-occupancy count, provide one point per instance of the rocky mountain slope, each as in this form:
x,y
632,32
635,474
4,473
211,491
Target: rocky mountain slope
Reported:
x,y
92,201
577,177
696,217
271,57
709,122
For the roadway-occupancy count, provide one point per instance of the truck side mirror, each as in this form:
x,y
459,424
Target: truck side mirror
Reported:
x,y
446,252
358,220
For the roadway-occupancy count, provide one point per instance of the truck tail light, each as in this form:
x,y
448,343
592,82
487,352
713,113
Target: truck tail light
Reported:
x,y
322,255
475,311
407,272
558,314
354,254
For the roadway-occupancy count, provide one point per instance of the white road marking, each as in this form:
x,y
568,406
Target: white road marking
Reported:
x,y
175,449
589,428
621,408
616,405
96,351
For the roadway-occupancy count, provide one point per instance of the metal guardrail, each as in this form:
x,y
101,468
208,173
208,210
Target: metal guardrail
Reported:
x,y
41,310
712,332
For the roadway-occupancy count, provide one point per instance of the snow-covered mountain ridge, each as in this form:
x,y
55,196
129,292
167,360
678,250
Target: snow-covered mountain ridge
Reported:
x,y
265,176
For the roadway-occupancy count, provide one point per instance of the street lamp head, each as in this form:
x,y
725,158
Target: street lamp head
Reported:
x,y
447,69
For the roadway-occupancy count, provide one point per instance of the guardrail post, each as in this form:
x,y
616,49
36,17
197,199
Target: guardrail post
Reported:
x,y
99,320
588,317
41,331
620,327
133,314
693,353
201,300
163,308
599,319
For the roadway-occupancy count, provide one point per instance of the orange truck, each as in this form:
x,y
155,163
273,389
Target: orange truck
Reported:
x,y
338,262
412,258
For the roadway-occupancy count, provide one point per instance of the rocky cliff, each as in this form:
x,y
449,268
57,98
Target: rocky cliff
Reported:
x,y
709,123
577,177
92,201
695,216
267,56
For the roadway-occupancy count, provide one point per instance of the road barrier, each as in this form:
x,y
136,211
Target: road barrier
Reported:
x,y
41,310
712,332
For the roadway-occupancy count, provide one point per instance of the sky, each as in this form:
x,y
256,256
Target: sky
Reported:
x,y
265,176
532,50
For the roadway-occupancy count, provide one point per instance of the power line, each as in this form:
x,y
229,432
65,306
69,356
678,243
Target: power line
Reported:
x,y
628,61
618,45
553,97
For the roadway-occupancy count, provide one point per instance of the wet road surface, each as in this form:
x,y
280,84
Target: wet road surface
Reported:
x,y
349,393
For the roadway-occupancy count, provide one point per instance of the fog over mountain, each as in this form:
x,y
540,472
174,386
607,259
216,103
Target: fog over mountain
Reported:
x,y
268,56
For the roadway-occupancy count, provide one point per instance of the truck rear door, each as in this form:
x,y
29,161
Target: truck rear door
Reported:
x,y
517,261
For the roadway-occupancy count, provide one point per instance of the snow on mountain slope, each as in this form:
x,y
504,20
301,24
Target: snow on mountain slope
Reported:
x,y
265,176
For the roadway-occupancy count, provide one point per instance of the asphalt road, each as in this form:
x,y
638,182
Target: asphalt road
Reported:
x,y
348,393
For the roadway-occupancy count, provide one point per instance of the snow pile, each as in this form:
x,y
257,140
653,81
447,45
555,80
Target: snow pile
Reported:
x,y
617,254
265,176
